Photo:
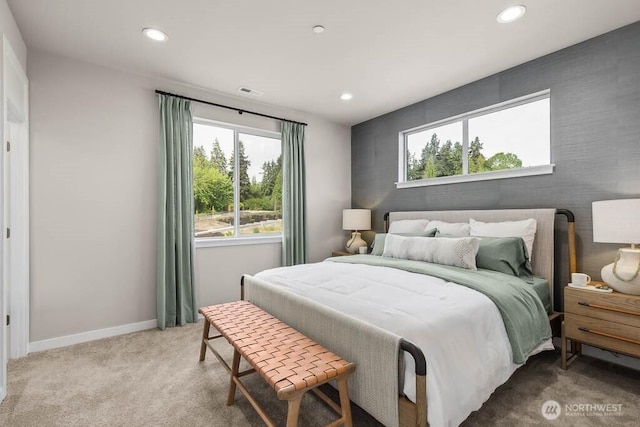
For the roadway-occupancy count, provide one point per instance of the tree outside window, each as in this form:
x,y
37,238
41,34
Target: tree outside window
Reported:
x,y
230,202
497,138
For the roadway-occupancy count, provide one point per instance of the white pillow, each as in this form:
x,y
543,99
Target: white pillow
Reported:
x,y
408,226
458,252
458,229
525,229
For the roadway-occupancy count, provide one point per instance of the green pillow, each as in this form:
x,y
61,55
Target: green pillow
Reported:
x,y
504,254
378,243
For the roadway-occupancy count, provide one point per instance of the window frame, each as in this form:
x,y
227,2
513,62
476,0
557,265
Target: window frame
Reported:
x,y
237,239
464,118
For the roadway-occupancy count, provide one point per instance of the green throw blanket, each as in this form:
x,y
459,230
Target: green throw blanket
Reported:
x,y
524,315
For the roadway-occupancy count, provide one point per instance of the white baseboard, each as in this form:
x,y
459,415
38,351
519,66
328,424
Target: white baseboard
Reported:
x,y
91,335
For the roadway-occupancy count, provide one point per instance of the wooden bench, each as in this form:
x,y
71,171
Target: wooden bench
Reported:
x,y
289,362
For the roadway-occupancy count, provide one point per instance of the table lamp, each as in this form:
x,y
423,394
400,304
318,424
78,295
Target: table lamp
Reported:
x,y
354,220
618,221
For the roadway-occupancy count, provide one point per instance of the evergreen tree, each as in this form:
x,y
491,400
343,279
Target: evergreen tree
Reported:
x,y
270,172
456,157
430,168
276,196
476,158
218,159
450,159
199,157
430,150
243,175
413,167
428,157
446,160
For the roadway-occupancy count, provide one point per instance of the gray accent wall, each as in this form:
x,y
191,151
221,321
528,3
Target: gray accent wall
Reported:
x,y
595,138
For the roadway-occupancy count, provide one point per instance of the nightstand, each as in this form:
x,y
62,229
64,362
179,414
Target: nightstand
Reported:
x,y
340,253
610,321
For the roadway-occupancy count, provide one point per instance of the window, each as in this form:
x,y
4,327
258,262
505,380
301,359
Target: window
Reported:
x,y
237,182
501,141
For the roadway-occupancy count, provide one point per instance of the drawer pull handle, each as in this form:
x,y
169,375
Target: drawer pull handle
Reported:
x,y
604,334
602,307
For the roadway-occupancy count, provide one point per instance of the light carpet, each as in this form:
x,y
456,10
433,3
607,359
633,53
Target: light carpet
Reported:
x,y
153,378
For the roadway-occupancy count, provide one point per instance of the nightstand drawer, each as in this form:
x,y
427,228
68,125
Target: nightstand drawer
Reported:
x,y
613,307
601,333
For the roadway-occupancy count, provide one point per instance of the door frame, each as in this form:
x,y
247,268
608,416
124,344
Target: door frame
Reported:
x,y
18,303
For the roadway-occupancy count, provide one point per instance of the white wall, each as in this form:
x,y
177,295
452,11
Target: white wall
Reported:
x,y
9,28
94,138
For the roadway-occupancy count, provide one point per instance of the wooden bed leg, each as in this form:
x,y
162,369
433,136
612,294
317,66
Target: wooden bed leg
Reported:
x,y
414,414
205,338
234,374
571,238
421,401
573,267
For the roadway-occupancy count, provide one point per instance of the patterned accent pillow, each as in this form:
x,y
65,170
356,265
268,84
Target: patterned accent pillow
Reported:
x,y
458,252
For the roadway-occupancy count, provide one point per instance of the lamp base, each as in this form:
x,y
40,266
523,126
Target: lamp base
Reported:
x,y
355,243
622,275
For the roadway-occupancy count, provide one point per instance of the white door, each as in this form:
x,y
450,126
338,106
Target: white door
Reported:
x,y
14,213
6,260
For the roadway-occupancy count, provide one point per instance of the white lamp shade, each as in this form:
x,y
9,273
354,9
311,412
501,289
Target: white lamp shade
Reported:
x,y
356,219
616,221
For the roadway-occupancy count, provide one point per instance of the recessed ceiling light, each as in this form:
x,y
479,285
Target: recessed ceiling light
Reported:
x,y
155,34
511,14
318,29
346,96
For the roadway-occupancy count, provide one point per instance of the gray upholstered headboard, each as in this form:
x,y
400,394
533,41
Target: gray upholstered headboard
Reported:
x,y
542,259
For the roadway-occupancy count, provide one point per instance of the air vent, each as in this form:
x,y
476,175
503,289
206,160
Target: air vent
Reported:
x,y
249,91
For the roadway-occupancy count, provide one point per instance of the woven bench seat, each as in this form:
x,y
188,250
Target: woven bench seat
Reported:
x,y
287,360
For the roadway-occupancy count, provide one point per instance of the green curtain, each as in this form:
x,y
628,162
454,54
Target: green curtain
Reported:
x,y
175,287
294,233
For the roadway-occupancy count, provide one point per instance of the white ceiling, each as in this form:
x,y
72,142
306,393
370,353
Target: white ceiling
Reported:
x,y
388,53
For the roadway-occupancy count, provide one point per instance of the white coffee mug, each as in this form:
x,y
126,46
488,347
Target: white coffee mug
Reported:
x,y
580,279
362,249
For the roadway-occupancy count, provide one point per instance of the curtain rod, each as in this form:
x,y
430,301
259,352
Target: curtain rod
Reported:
x,y
239,110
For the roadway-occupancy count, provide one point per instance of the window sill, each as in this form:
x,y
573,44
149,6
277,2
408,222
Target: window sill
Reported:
x,y
484,176
236,241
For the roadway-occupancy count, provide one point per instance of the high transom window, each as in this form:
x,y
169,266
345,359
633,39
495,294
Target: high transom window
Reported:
x,y
500,141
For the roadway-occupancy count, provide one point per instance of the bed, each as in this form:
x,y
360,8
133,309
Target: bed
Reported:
x,y
410,327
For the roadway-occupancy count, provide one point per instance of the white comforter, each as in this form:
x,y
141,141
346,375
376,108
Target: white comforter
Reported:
x,y
459,329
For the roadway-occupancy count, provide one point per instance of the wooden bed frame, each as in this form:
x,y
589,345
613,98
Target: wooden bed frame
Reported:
x,y
415,414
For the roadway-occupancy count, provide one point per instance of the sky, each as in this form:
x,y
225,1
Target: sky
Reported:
x,y
522,130
257,148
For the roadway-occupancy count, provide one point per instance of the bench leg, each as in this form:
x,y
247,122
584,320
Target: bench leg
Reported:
x,y
294,410
205,337
234,374
345,404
